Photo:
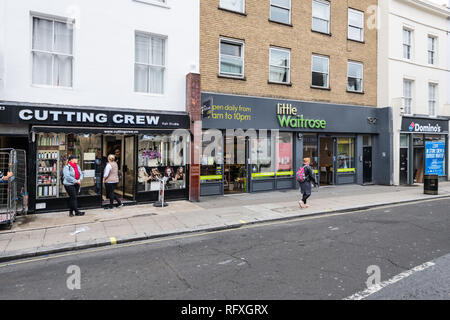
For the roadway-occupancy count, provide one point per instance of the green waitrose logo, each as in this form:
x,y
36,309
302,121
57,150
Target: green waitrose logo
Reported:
x,y
289,118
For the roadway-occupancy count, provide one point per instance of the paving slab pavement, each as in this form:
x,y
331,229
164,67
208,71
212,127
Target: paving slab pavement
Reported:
x,y
56,232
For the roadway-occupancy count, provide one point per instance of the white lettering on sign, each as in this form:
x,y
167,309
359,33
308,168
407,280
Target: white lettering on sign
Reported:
x,y
118,118
428,128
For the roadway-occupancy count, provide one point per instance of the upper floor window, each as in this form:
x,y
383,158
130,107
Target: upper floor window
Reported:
x,y
355,76
432,88
280,65
150,63
407,96
233,5
231,58
431,50
355,25
407,43
321,16
280,11
320,71
52,50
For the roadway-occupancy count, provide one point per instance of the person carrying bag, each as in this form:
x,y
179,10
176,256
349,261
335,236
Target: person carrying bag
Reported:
x,y
305,177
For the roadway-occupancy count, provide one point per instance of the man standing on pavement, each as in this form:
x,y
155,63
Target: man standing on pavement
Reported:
x,y
307,177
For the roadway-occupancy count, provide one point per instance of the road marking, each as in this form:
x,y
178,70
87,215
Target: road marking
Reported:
x,y
374,289
192,235
113,240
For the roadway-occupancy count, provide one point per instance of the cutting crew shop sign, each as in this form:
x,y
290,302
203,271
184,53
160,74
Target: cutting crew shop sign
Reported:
x,y
59,116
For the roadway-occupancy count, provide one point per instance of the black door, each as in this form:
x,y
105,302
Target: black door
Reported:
x,y
367,165
403,166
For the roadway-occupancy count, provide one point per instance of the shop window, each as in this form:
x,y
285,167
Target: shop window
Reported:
x,y
404,141
53,151
435,154
212,157
310,149
262,157
285,154
346,155
162,156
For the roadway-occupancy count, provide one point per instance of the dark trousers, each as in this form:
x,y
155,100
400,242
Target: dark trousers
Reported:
x,y
305,189
110,187
72,191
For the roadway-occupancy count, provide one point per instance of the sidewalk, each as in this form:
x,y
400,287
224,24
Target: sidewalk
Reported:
x,y
43,234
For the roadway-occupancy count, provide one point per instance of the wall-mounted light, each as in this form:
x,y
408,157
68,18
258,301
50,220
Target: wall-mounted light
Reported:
x,y
372,120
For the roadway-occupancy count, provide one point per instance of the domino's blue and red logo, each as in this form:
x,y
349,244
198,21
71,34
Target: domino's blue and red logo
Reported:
x,y
411,127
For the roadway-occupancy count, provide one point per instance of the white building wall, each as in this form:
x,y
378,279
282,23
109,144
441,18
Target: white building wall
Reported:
x,y
393,68
104,50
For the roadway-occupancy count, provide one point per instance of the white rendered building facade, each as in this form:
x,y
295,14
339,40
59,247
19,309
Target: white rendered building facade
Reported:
x,y
413,78
98,78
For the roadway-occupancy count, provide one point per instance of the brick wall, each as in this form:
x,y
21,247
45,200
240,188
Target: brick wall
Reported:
x,y
259,34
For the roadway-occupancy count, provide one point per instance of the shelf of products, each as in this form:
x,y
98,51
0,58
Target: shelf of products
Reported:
x,y
47,166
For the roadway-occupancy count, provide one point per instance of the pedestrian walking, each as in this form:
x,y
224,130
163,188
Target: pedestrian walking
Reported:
x,y
305,176
111,179
72,177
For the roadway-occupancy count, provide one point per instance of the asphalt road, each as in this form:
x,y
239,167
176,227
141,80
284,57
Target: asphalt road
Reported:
x,y
323,257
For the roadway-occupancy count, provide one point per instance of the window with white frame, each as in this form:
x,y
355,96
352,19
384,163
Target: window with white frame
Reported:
x,y
407,96
280,11
432,90
355,76
233,5
431,50
355,25
52,50
150,63
407,43
320,71
280,65
231,58
321,16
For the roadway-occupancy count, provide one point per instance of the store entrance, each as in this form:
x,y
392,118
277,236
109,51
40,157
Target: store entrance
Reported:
x,y
123,147
326,159
419,159
235,168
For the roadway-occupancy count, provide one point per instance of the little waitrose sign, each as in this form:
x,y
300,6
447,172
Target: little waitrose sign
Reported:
x,y
288,117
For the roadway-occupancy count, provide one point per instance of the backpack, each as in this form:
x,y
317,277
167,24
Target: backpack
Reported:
x,y
301,175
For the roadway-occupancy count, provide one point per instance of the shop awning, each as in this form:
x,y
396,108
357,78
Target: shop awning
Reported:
x,y
97,130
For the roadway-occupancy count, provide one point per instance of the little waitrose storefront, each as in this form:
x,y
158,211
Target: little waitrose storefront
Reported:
x,y
255,144
147,146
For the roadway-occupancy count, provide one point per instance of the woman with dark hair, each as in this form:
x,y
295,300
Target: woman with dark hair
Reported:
x,y
72,176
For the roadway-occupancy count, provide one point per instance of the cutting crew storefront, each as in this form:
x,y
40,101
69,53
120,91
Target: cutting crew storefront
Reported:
x,y
255,144
423,149
147,146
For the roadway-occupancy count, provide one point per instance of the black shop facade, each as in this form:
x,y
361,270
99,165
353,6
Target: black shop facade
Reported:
x,y
148,146
254,144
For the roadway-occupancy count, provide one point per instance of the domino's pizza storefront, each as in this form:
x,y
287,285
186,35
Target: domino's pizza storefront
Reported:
x,y
147,145
423,149
253,144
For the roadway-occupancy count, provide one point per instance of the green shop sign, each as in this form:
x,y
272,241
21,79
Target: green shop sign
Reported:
x,y
288,117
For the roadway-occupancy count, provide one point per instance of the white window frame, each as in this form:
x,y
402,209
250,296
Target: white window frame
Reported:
x,y
281,7
53,53
158,3
434,101
243,7
288,81
329,16
150,35
312,70
362,74
411,41
434,51
410,99
349,25
237,42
